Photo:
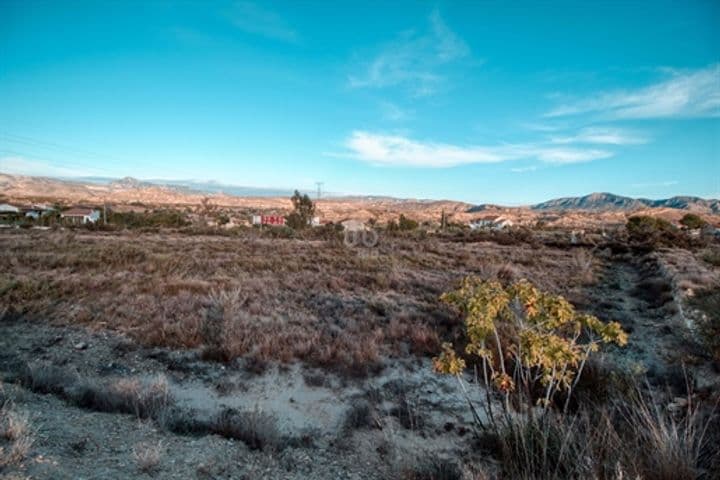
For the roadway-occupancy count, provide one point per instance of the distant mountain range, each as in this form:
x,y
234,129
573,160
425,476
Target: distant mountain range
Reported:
x,y
611,202
190,186
179,191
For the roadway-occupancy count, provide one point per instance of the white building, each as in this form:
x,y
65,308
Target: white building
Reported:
x,y
7,208
81,215
490,222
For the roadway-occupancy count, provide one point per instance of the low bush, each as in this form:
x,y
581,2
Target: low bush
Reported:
x,y
712,257
692,221
156,218
359,415
708,303
254,428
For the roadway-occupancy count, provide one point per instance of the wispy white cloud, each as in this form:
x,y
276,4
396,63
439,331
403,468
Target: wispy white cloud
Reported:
x,y
606,136
401,151
684,94
398,150
253,19
565,156
414,60
531,168
543,127
16,165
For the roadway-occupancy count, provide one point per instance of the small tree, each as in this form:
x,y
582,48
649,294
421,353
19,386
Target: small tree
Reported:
x,y
405,223
528,341
646,228
692,221
303,211
443,220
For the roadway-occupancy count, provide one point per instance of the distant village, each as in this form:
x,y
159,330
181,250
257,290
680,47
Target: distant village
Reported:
x,y
45,216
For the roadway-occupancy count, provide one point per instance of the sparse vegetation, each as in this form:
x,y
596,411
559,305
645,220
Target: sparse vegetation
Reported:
x,y
708,303
521,330
144,399
257,429
148,456
251,303
16,436
172,291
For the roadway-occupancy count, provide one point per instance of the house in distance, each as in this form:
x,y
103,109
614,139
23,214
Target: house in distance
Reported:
x,y
490,222
80,215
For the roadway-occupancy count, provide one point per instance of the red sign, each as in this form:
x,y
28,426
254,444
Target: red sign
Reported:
x,y
272,220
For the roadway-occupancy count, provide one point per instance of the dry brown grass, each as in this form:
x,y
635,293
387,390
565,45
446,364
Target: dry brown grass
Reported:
x,y
148,455
16,436
637,440
271,299
148,398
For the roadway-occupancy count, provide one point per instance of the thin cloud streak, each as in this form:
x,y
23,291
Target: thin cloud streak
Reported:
x,y
17,165
397,150
414,60
689,94
604,136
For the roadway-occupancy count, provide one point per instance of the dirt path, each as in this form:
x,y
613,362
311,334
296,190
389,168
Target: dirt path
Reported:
x,y
633,291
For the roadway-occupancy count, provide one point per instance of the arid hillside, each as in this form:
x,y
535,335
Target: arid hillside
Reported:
x,y
563,213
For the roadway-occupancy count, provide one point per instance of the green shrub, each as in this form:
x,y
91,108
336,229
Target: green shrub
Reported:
x,y
532,344
405,223
647,229
692,221
158,218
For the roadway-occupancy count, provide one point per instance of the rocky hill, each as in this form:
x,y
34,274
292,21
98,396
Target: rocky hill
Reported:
x,y
611,202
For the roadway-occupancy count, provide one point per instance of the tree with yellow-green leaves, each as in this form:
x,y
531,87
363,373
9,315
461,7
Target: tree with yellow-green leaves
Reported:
x,y
531,344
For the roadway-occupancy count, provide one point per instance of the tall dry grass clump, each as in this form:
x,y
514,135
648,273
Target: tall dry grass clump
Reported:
x,y
633,438
16,436
147,456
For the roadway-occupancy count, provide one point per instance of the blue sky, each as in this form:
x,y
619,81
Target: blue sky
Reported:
x,y
481,101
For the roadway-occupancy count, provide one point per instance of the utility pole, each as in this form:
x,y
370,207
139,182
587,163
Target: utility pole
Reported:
x,y
319,188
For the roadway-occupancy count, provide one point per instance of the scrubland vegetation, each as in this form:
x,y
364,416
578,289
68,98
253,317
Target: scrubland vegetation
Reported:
x,y
592,359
